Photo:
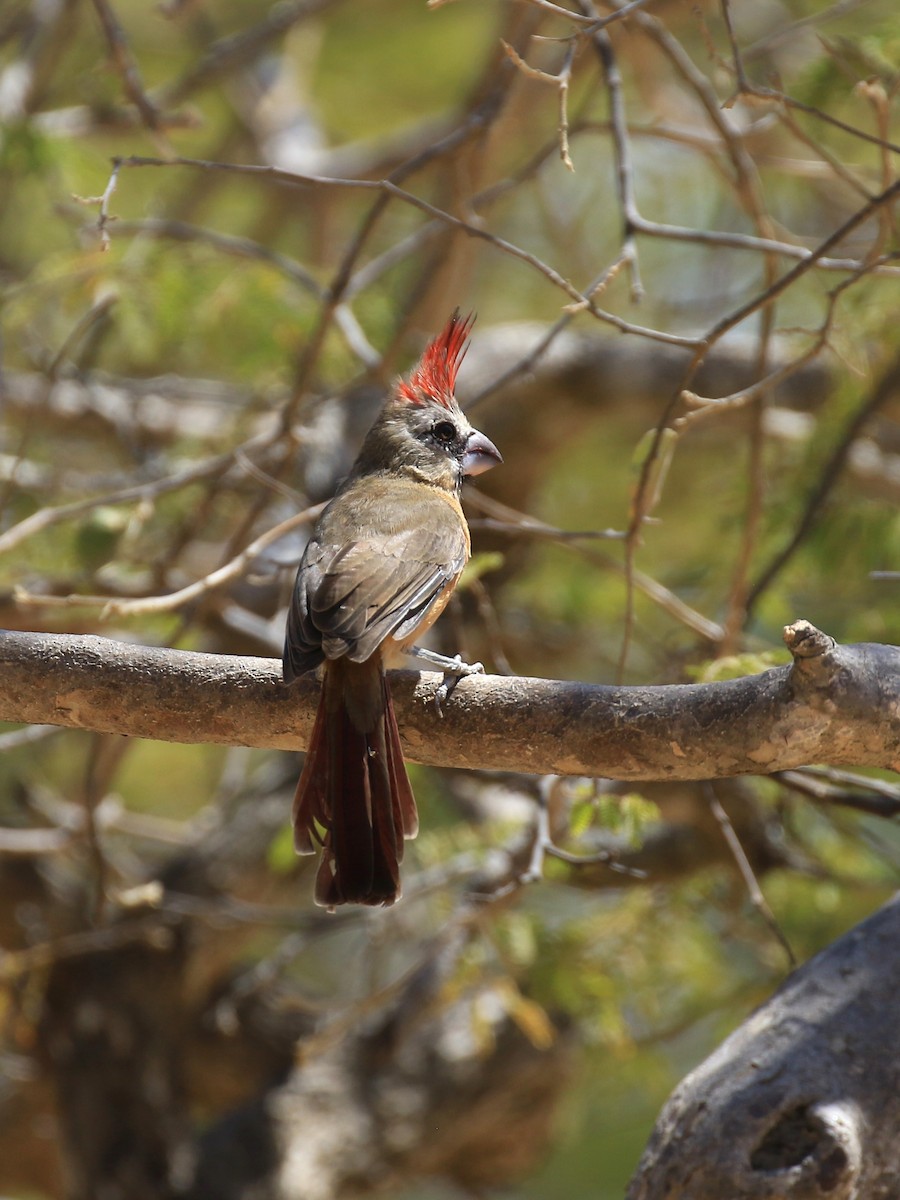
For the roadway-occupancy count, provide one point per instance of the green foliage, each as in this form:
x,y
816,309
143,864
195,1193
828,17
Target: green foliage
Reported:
x,y
871,58
735,666
98,537
480,565
24,150
625,816
282,857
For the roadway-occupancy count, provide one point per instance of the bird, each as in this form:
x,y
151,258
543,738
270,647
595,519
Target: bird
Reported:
x,y
378,570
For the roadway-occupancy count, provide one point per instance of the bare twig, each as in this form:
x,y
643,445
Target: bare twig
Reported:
x,y
736,59
236,50
885,388
126,65
863,794
216,579
292,179
705,406
104,218
543,846
45,518
561,82
755,892
547,6
622,151
238,247
784,33
761,93
883,199
105,755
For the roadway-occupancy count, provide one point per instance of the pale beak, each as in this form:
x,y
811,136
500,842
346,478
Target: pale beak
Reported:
x,y
481,454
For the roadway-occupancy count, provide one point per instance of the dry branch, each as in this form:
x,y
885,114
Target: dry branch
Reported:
x,y
836,704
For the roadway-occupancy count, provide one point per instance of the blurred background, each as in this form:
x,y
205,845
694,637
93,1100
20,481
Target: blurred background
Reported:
x,y
190,352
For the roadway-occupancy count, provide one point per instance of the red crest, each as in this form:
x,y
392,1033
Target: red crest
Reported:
x,y
435,373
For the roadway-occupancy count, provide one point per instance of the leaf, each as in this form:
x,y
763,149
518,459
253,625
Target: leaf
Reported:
x,y
281,856
735,666
530,1017
627,816
478,565
659,468
581,816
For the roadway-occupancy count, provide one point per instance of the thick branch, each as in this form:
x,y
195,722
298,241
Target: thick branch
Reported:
x,y
836,704
801,1101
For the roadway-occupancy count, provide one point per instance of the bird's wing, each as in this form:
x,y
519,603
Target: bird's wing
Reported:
x,y
377,587
350,598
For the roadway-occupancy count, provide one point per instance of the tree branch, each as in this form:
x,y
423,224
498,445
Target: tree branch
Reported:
x,y
835,704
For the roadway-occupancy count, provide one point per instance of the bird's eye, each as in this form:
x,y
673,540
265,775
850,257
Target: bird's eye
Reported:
x,y
445,432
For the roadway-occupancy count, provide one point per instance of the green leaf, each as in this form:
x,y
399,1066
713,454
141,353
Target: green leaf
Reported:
x,y
281,856
480,564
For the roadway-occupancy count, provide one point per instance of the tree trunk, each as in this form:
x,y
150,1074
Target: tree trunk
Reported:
x,y
802,1102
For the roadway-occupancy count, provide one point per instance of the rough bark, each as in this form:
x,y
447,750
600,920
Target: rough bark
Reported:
x,y
836,704
802,1101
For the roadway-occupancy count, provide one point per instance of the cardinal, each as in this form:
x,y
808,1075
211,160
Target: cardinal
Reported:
x,y
381,564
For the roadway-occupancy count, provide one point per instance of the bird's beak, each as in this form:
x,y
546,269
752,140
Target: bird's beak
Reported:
x,y
481,454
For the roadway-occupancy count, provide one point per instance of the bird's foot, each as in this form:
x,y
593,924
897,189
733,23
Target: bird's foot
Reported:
x,y
454,669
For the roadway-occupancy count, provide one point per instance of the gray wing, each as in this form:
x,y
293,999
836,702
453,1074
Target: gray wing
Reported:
x,y
349,598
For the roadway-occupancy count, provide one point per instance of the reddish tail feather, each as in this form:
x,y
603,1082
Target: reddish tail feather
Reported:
x,y
354,797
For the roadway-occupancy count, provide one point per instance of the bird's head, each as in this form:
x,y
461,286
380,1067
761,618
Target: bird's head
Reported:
x,y
422,432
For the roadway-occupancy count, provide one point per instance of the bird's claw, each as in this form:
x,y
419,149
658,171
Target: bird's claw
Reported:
x,y
453,673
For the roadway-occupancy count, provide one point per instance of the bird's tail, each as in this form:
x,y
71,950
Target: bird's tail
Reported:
x,y
354,798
